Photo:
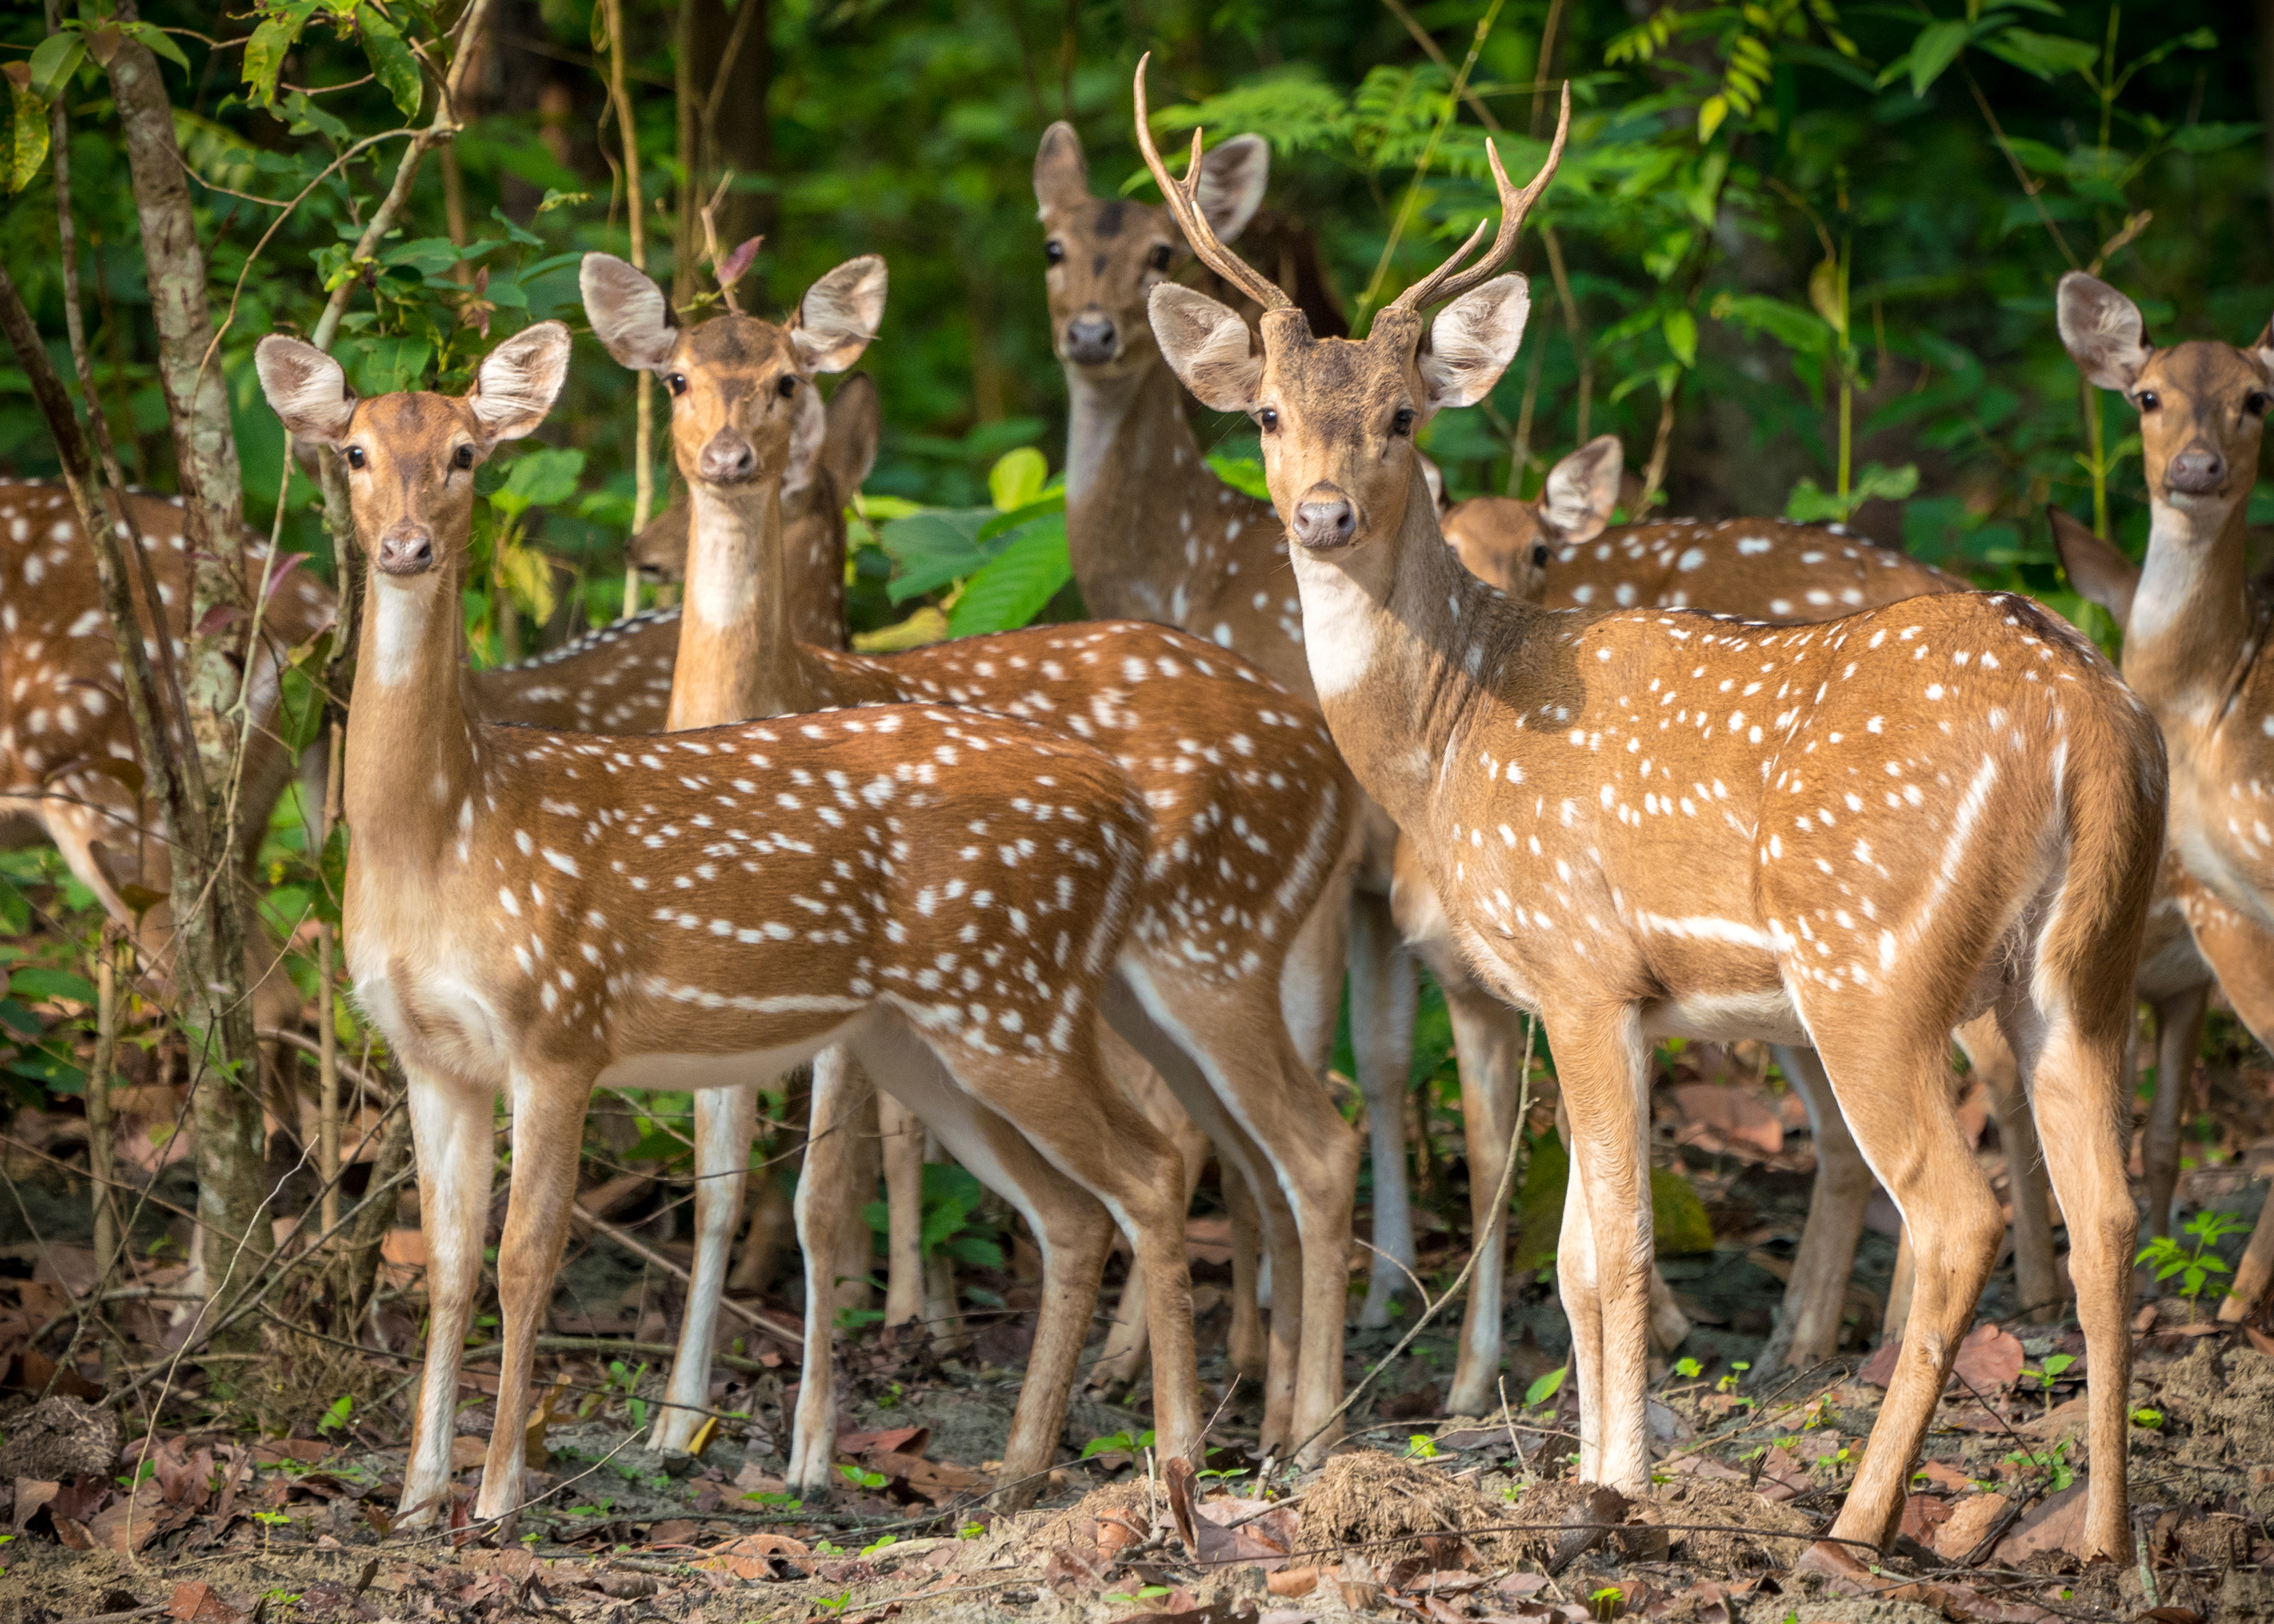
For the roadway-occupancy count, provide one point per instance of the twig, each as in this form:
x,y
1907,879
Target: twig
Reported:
x,y
644,409
772,1327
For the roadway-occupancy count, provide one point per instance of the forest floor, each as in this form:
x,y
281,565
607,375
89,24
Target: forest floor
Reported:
x,y
270,1499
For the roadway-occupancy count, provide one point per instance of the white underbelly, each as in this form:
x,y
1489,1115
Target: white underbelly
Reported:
x,y
678,1073
1726,1018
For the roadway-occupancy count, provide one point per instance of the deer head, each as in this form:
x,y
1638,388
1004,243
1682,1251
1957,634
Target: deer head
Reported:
x,y
742,403
1507,542
410,458
2203,405
1338,415
1107,254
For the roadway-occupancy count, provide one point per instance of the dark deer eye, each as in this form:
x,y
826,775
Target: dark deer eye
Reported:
x,y
1539,556
1402,423
786,387
676,383
2147,400
1267,420
2257,401
463,457
1158,259
1053,250
355,456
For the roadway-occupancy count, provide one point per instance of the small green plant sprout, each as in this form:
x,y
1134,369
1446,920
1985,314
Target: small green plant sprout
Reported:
x,y
2052,1464
832,1603
1421,1446
773,1500
972,1530
1144,1593
828,1548
875,1545
2045,1375
1544,1390
1688,1369
2147,1416
1112,1442
336,1418
860,1477
2194,1268
1605,1602
270,1521
1729,1383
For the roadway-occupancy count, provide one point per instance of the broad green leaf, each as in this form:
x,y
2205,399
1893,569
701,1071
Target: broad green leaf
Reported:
x,y
1681,330
37,981
931,548
1937,47
1004,523
304,116
1011,590
2048,56
1243,474
544,477
27,144
1789,325
1547,1387
1710,113
2036,156
391,60
391,366
430,255
2211,138
1017,478
528,577
264,58
54,60
156,40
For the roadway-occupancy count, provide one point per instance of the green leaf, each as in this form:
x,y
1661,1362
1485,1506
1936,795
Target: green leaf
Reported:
x,y
1242,474
157,39
2048,56
391,60
1788,324
1547,1387
1004,523
392,365
933,547
1937,47
1011,590
28,146
1017,478
54,60
1710,113
1681,330
544,477
975,1250
35,982
264,58
2211,138
303,117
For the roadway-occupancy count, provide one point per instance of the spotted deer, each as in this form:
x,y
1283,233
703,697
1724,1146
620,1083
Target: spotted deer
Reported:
x,y
1250,809
2195,649
1641,823
1154,535
537,913
67,754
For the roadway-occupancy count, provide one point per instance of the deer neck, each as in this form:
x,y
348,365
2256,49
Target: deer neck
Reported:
x,y
1132,466
2192,618
411,766
1401,642
736,658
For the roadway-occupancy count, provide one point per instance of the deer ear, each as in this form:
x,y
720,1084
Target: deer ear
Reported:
x,y
629,313
839,314
1232,178
1472,342
1583,488
306,389
2103,330
856,423
1433,477
2096,568
2263,351
519,380
1206,345
1061,172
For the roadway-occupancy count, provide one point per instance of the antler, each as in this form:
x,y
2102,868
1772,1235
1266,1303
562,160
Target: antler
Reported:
x,y
1444,283
1184,203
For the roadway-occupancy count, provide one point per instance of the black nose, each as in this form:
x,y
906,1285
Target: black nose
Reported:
x,y
728,459
1090,339
2198,470
1327,519
406,550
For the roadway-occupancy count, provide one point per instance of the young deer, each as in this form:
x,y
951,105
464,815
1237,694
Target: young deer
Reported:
x,y
539,912
2195,641
1250,805
1154,535
1860,834
65,742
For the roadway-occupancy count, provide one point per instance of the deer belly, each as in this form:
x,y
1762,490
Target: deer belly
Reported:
x,y
687,1072
1767,1016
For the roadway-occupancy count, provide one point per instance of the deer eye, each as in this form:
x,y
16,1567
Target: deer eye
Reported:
x,y
355,456
786,387
2147,400
2257,401
1539,556
1267,420
1403,421
463,457
1158,259
676,383
1053,250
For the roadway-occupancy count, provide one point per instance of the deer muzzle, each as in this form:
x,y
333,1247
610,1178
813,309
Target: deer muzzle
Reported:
x,y
406,548
2197,470
1325,519
1090,339
726,458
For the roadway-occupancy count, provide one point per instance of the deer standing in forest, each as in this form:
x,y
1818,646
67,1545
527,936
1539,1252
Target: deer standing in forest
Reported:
x,y
2196,634
538,912
1251,808
1859,833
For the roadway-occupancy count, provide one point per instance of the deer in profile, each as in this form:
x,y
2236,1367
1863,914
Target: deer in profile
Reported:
x,y
1644,822
2196,651
536,914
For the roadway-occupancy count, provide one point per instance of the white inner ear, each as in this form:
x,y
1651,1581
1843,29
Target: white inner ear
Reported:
x,y
519,380
628,311
1472,341
1206,345
1232,179
807,431
839,314
306,387
2103,331
1582,490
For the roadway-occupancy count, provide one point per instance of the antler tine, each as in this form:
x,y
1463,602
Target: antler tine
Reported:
x,y
1184,203
1447,280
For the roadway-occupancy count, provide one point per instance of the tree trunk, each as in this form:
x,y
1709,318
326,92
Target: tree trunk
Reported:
x,y
209,942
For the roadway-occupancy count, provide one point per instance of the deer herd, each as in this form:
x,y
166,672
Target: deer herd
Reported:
x,y
1079,901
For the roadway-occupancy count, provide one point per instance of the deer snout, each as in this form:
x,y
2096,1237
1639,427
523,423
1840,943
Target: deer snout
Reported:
x,y
728,458
1325,519
1090,339
2198,470
406,549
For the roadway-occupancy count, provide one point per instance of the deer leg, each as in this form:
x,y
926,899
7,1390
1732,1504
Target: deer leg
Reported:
x,y
1124,1355
1488,1038
1311,980
1898,1106
2078,1079
902,1141
1381,996
726,1121
823,1209
452,1128
2179,1036
855,1260
1808,1328
1247,1349
2036,1283
548,1126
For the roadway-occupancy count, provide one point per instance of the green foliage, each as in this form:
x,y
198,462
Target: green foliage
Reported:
x,y
957,1221
1120,1443
2193,1265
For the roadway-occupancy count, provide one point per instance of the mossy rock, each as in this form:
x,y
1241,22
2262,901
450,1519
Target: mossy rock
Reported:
x,y
1678,1218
